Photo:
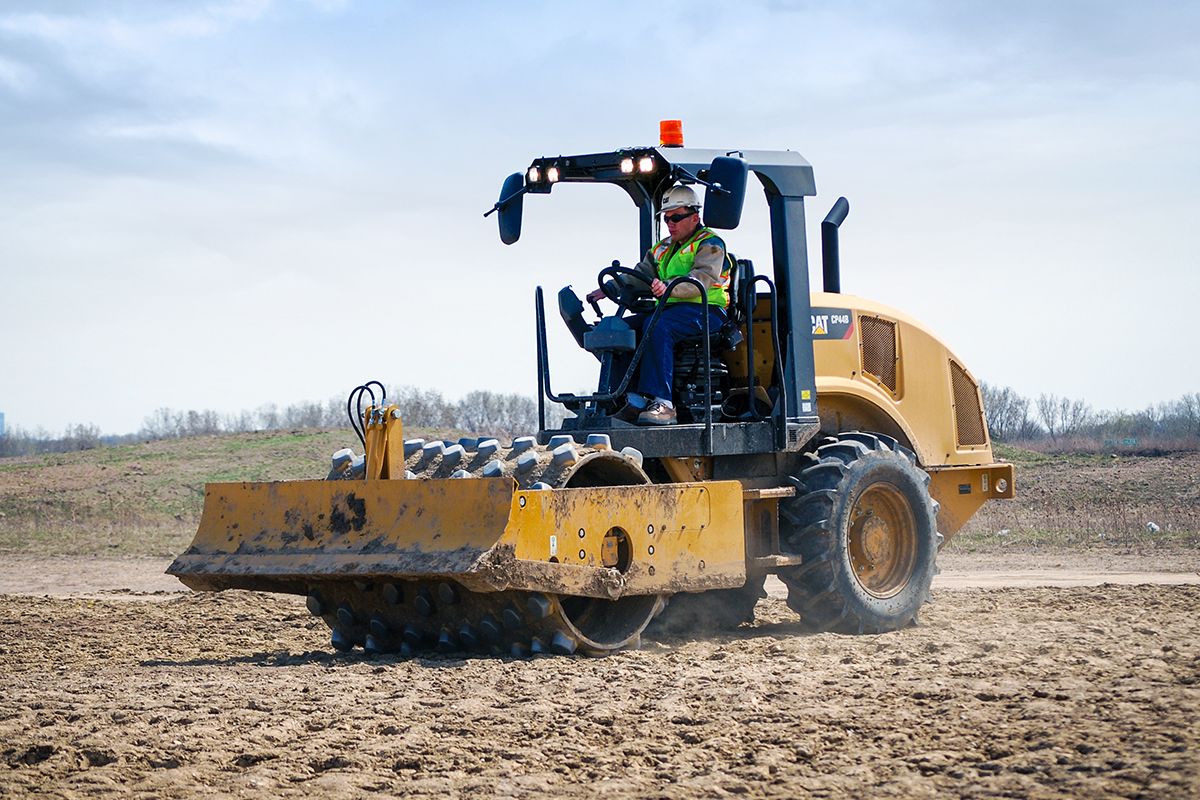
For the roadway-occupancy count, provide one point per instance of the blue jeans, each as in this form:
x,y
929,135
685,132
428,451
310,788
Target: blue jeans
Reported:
x,y
676,322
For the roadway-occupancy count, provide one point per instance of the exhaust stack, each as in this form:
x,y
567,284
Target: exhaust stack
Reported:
x,y
830,259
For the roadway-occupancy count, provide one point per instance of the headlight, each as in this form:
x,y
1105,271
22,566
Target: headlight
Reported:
x,y
552,174
534,175
627,165
645,164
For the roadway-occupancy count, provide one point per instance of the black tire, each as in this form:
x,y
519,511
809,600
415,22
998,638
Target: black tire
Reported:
x,y
865,527
699,613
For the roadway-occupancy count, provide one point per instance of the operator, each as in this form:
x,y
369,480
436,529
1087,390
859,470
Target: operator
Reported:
x,y
689,249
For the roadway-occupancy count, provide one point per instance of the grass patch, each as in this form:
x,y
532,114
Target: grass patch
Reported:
x,y
1084,540
1090,502
145,499
1024,457
134,537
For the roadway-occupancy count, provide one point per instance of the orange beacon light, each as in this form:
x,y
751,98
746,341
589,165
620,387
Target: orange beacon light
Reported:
x,y
670,133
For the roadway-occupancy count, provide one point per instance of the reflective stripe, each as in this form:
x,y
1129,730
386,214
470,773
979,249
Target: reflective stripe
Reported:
x,y
673,262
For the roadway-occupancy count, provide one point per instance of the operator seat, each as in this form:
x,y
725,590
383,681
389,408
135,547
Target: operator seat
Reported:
x,y
688,383
728,336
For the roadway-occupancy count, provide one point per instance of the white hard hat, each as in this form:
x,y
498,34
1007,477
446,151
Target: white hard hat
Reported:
x,y
680,197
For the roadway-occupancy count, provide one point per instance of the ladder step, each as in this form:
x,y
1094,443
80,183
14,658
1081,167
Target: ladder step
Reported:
x,y
773,562
769,494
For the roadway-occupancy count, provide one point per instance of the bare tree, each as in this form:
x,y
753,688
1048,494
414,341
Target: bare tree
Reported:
x,y
303,415
157,424
1007,412
335,413
496,414
1062,416
238,423
424,407
268,417
199,423
81,437
1186,411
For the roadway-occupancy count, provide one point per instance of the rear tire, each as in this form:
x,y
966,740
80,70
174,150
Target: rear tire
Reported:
x,y
866,529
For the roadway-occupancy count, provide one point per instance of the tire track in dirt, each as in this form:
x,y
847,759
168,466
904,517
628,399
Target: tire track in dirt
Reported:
x,y
1044,692
144,578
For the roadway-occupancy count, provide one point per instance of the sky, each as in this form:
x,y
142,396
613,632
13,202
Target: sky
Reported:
x,y
226,204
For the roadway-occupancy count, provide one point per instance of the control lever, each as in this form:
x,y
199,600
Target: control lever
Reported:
x,y
570,308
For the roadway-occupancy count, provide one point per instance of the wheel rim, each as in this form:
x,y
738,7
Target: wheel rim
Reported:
x,y
882,540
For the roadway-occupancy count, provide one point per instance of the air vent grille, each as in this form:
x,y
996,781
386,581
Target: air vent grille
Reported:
x,y
968,415
878,337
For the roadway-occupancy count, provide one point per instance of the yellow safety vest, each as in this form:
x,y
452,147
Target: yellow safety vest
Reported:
x,y
673,261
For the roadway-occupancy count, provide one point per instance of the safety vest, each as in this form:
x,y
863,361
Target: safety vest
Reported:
x,y
674,261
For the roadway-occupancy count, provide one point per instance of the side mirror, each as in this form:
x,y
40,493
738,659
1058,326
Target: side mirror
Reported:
x,y
723,209
511,203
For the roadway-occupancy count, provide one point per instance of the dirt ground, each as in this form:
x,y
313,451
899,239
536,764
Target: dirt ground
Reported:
x,y
144,578
116,685
1059,659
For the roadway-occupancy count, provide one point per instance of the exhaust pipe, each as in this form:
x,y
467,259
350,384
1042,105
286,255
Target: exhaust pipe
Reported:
x,y
830,259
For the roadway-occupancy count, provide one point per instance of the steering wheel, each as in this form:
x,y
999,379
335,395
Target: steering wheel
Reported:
x,y
635,296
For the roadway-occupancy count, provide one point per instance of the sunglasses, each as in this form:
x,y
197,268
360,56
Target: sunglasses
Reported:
x,y
677,218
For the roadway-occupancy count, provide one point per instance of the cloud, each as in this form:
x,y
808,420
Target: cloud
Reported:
x,y
140,26
165,159
158,86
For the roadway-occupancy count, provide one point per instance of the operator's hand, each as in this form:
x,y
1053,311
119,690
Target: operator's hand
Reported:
x,y
658,288
595,295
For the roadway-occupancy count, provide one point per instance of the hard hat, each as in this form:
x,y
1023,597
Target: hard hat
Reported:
x,y
680,197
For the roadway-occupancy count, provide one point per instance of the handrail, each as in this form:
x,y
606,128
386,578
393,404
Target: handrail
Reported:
x,y
544,365
779,409
539,333
752,302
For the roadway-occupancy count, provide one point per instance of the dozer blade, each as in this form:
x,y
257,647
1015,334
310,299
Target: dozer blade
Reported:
x,y
478,565
487,535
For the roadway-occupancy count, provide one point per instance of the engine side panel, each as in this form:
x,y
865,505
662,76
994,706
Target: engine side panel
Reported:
x,y
880,370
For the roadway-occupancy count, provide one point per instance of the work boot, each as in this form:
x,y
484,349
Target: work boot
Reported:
x,y
657,414
628,413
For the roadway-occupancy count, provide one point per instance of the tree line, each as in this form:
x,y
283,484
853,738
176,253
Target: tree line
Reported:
x,y
478,412
1047,422
1053,422
19,442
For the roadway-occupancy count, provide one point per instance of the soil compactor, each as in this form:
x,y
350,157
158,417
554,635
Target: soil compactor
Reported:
x,y
824,438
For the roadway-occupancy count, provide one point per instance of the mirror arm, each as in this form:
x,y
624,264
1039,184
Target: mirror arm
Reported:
x,y
502,203
678,171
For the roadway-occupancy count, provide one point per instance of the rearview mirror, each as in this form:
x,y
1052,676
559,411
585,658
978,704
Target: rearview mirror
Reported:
x,y
509,216
723,209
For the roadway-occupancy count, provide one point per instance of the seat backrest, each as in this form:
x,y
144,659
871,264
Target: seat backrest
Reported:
x,y
741,276
740,282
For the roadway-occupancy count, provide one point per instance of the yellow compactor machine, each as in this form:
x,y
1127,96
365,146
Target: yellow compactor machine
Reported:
x,y
824,438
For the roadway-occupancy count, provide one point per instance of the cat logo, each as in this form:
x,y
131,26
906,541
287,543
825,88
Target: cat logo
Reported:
x,y
832,323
